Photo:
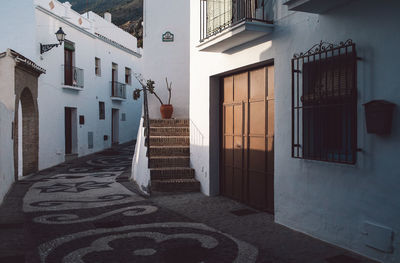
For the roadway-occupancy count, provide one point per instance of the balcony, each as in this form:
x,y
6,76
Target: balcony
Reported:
x,y
72,78
225,24
314,6
118,91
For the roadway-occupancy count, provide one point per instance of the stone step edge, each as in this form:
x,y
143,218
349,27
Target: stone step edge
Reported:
x,y
169,127
158,157
176,181
171,168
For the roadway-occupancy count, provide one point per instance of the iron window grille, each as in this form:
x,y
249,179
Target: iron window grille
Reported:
x,y
218,15
324,103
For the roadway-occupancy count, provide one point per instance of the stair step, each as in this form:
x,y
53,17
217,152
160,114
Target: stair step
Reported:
x,y
168,131
169,150
169,161
175,185
171,173
169,140
169,123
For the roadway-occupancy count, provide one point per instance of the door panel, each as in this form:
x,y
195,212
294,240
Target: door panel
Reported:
x,y
68,67
115,126
257,80
240,87
257,118
68,131
248,138
228,89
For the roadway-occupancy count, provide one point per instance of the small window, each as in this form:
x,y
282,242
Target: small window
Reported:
x,y
102,110
128,74
324,110
123,117
98,67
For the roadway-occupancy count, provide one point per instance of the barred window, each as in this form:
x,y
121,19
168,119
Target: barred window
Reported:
x,y
324,103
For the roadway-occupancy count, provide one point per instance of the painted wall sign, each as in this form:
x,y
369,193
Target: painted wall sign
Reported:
x,y
168,37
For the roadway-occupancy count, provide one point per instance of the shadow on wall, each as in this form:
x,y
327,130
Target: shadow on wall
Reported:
x,y
245,175
198,153
6,150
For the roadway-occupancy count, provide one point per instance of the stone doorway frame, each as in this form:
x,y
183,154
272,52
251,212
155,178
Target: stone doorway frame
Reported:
x,y
26,91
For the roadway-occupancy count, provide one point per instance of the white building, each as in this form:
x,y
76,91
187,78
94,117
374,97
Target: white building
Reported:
x,y
166,41
85,98
323,175
100,53
166,54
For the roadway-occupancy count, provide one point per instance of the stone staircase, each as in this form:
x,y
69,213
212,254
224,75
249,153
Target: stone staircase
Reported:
x,y
169,161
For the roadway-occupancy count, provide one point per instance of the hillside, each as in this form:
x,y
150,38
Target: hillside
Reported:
x,y
122,11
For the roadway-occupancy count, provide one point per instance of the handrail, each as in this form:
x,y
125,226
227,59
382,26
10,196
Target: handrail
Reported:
x,y
146,122
72,76
218,15
118,90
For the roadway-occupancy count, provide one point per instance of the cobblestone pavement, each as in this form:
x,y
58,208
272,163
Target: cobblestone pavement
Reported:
x,y
88,211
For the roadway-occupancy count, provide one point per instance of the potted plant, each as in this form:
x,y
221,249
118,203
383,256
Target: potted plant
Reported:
x,y
166,110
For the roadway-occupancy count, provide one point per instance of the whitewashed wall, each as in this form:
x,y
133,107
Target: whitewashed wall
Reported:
x,y
6,150
7,109
167,59
328,201
52,98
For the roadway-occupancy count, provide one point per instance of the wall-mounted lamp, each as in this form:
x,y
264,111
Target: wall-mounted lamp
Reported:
x,y
60,37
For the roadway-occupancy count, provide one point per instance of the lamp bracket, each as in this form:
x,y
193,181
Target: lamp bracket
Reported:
x,y
45,48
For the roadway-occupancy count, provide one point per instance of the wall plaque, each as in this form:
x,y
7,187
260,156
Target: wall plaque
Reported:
x,y
168,37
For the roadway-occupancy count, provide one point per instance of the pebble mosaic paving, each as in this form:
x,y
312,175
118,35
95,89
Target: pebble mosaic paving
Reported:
x,y
82,212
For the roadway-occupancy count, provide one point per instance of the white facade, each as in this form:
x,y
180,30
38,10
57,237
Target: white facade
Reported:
x,y
6,158
7,100
167,59
93,37
329,201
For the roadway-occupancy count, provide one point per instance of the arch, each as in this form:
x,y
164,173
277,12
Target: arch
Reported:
x,y
30,133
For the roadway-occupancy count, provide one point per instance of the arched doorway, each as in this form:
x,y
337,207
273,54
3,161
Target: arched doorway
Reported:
x,y
27,134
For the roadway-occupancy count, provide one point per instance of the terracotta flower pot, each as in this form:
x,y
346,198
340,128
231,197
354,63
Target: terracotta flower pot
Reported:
x,y
166,111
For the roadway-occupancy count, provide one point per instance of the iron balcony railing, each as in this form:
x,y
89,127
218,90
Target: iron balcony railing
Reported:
x,y
72,76
146,122
218,15
118,90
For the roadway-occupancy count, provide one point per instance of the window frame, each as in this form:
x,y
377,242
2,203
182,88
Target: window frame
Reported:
x,y
102,110
324,86
97,67
128,74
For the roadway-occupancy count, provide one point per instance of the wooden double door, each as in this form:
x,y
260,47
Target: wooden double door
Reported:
x,y
247,150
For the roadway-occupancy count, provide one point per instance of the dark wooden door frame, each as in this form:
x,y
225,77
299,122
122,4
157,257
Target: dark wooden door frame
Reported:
x,y
220,109
68,130
68,67
113,120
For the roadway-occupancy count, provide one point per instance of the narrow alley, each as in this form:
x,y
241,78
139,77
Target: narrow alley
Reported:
x,y
87,210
